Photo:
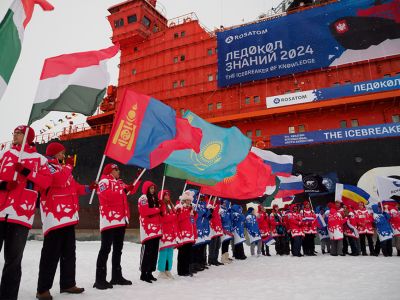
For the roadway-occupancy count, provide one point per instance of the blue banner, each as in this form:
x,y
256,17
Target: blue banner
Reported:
x,y
337,135
360,88
331,35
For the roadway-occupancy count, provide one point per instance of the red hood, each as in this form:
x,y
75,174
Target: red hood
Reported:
x,y
146,185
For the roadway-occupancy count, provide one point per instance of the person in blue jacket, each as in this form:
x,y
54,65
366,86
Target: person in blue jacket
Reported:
x,y
254,231
384,231
238,231
226,219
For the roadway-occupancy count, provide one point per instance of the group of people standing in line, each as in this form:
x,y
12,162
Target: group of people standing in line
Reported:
x,y
28,179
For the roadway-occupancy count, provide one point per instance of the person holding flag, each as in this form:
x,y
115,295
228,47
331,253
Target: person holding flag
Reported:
x,y
394,220
336,221
114,218
383,229
59,205
150,230
350,231
226,219
254,231
263,224
23,173
238,220
216,232
277,229
322,229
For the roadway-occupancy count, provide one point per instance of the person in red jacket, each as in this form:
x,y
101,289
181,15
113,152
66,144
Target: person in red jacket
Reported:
x,y
59,205
216,231
187,232
169,239
114,218
336,221
309,223
365,228
150,230
18,202
296,230
263,224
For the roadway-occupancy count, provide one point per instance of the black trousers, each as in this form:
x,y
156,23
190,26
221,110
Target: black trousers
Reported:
x,y
149,255
370,243
58,245
296,246
308,244
213,250
279,245
225,246
13,236
353,245
184,258
286,241
239,251
387,249
110,237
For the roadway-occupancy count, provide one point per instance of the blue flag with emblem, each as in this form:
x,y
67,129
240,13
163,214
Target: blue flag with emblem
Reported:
x,y
221,150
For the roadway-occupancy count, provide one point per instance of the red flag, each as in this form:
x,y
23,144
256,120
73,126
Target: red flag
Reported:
x,y
250,181
187,137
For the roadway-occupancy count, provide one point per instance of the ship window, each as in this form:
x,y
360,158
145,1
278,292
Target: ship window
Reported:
x,y
347,82
396,118
176,35
302,128
247,100
386,75
343,124
182,82
219,105
256,99
297,90
354,123
175,84
291,129
210,77
155,28
258,132
216,76
133,71
183,33
119,23
336,84
210,106
249,133
183,57
146,21
132,19
176,59
209,52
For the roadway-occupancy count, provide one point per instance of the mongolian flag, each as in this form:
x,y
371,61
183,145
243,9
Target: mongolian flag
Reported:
x,y
351,195
250,181
12,29
146,131
73,82
221,150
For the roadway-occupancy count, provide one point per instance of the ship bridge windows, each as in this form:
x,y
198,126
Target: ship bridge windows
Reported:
x,y
396,118
119,23
256,99
302,128
247,100
258,132
292,129
176,35
210,106
183,33
183,57
175,84
176,59
343,124
354,123
249,133
133,71
210,77
387,75
209,51
182,83
146,21
132,19
219,105
347,82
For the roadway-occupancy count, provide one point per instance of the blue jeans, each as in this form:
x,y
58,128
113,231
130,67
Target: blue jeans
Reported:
x,y
165,257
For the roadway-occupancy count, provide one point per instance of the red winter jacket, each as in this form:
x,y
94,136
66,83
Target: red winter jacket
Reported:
x,y
18,205
186,224
114,209
149,217
263,223
215,222
59,204
295,224
169,223
335,224
309,220
365,221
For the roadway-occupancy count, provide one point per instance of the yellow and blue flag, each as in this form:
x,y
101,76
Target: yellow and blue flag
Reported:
x,y
221,150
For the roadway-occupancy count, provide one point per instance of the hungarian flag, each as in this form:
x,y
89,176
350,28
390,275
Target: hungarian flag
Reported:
x,y
73,82
12,30
250,181
146,131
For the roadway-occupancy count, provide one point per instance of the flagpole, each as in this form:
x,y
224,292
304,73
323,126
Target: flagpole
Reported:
x,y
137,179
184,188
97,177
22,149
162,187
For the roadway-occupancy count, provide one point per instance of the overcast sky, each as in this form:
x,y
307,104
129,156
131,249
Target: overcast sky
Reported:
x,y
81,25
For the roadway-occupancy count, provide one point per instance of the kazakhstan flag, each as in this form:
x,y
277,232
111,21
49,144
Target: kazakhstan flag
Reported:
x,y
221,150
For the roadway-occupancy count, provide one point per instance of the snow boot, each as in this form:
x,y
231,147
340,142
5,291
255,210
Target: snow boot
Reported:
x,y
101,282
118,279
44,296
163,275
169,274
145,277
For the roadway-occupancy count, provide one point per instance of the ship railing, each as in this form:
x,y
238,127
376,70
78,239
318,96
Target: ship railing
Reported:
x,y
182,19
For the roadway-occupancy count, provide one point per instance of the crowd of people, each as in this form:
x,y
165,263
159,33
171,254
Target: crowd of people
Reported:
x,y
200,227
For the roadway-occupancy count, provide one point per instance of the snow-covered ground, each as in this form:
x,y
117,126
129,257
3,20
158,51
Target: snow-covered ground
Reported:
x,y
275,277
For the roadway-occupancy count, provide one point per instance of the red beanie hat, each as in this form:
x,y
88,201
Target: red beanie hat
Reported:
x,y
31,133
108,169
54,148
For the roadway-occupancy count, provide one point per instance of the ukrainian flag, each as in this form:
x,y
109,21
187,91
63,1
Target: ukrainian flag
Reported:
x,y
351,195
221,150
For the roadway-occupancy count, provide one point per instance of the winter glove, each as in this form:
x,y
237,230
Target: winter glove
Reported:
x,y
93,185
70,161
21,169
